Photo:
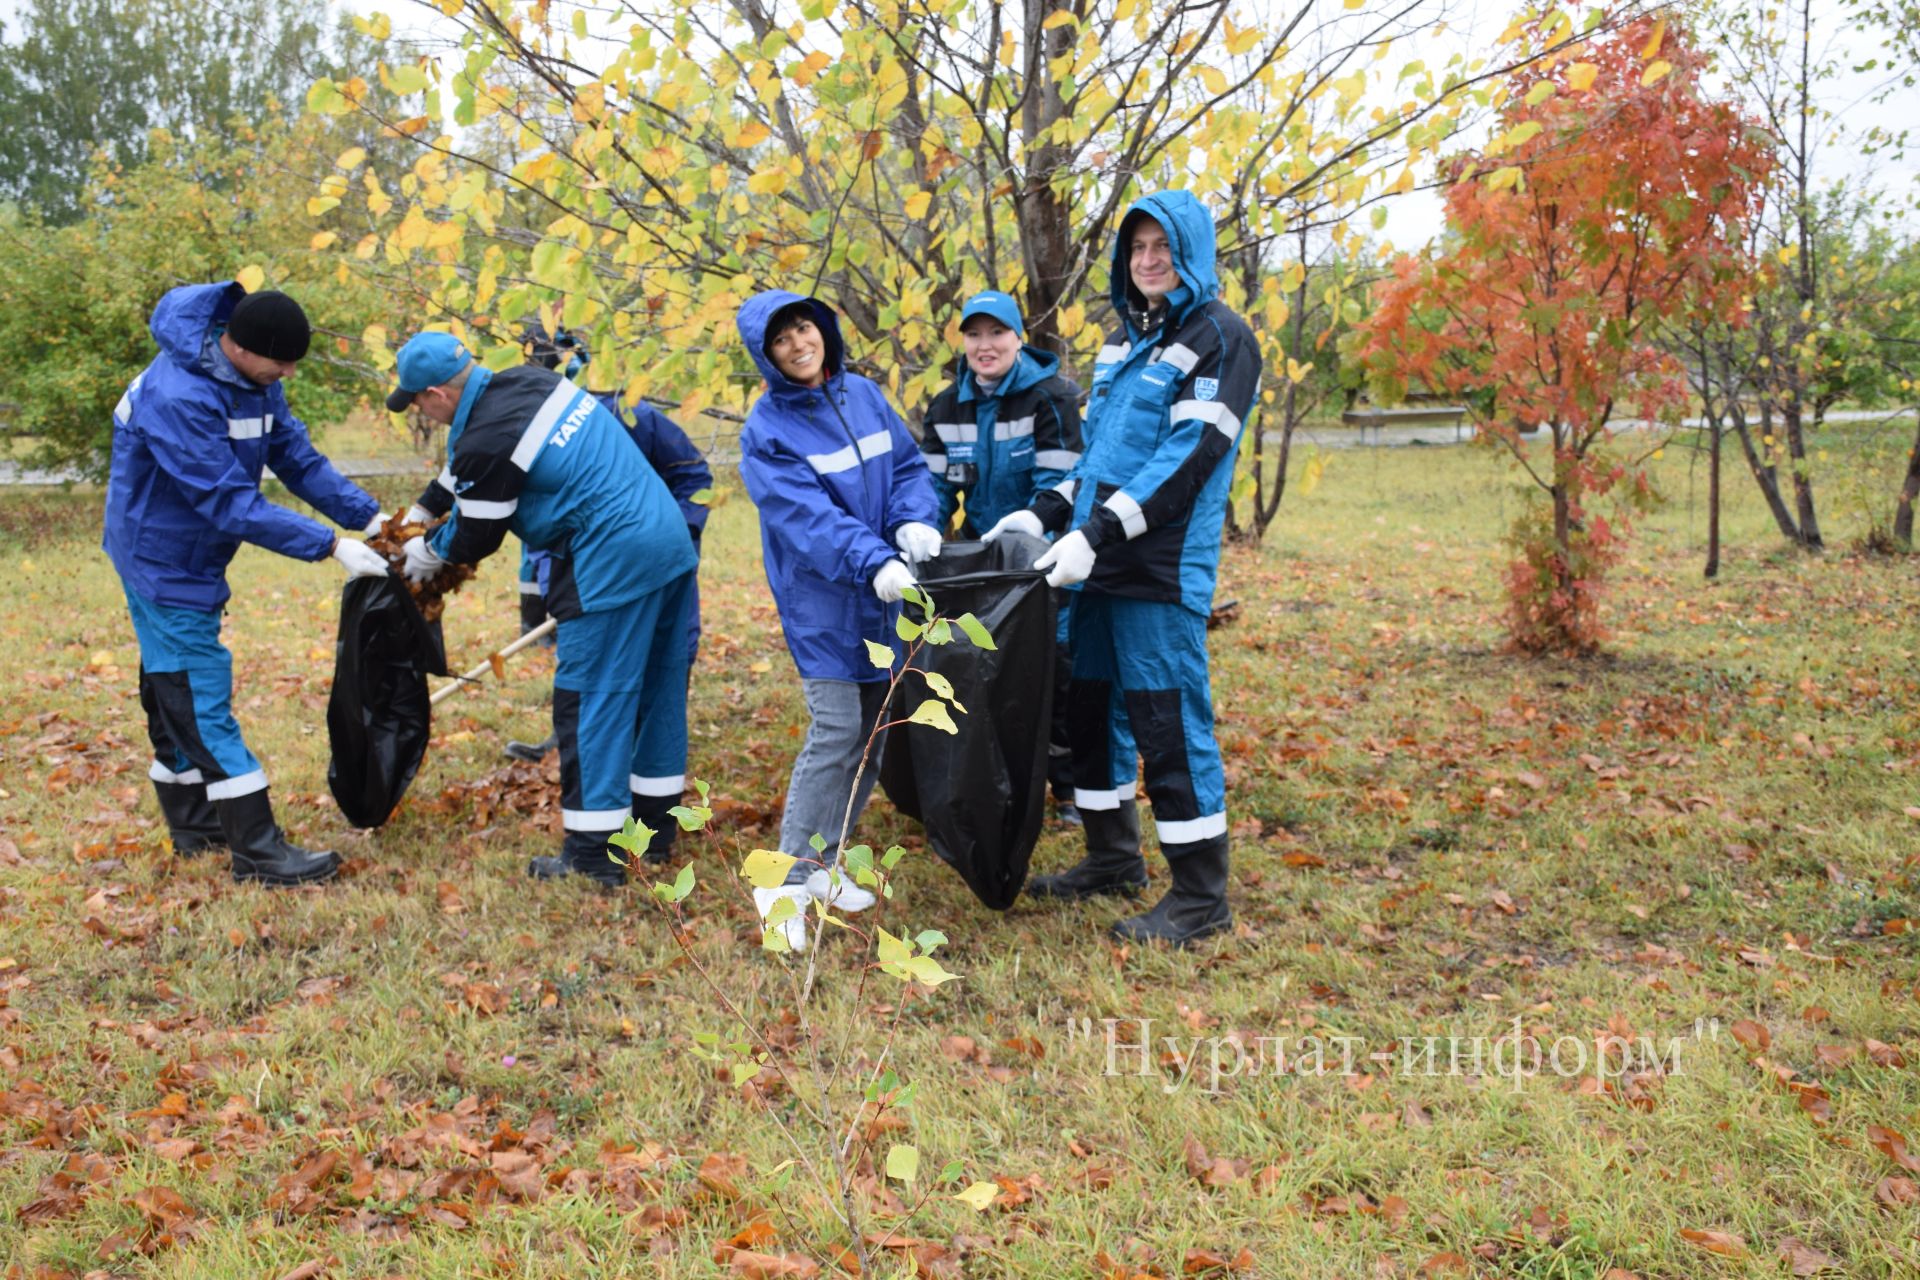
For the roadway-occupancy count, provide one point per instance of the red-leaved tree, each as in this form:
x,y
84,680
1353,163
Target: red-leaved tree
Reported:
x,y
1610,199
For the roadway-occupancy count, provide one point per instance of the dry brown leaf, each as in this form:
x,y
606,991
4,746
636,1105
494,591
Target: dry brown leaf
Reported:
x,y
1896,1193
1724,1243
771,1266
1885,1055
1803,1258
1893,1145
721,1172
1202,1262
1753,1037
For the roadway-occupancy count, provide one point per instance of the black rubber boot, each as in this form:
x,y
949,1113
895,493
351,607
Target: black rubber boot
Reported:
x,y
534,751
1113,863
583,853
261,852
191,821
1195,907
651,811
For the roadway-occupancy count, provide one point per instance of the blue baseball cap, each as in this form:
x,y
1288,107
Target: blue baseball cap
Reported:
x,y
428,360
1000,306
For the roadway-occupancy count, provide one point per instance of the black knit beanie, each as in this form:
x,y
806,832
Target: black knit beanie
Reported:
x,y
270,324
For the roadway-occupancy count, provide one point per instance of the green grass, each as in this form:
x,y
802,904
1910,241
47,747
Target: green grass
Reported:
x,y
1432,838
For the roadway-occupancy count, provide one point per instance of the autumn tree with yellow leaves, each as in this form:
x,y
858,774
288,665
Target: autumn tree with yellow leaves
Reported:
x,y
638,172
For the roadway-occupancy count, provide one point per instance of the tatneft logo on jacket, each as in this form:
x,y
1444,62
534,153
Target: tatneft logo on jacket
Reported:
x,y
565,431
427,360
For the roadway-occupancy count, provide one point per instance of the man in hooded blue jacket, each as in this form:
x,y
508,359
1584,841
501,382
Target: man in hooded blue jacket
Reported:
x,y
846,504
1143,512
531,453
191,437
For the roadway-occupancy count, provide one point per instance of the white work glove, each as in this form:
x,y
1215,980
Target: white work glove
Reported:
x,y
891,583
1067,561
918,541
1021,521
359,559
375,525
422,563
417,514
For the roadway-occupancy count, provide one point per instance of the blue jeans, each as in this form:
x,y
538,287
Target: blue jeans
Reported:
x,y
843,715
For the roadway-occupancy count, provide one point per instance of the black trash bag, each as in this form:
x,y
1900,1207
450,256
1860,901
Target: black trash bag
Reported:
x,y
379,716
981,793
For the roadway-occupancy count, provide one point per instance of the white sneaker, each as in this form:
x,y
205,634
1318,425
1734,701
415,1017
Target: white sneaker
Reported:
x,y
794,927
846,895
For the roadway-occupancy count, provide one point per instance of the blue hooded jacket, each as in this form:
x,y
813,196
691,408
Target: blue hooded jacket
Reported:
x,y
834,474
1019,440
1171,390
190,439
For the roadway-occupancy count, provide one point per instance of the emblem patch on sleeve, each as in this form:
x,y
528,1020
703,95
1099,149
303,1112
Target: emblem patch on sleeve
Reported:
x,y
1206,388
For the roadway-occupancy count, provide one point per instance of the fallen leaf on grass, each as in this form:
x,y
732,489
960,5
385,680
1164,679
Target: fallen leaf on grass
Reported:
x,y
1896,1193
1885,1055
1202,1262
1210,1171
1891,1144
1753,1037
721,1172
1724,1243
1803,1258
1815,1101
772,1266
519,1175
308,1270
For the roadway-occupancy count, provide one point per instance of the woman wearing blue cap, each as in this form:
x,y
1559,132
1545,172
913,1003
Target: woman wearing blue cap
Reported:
x,y
1004,431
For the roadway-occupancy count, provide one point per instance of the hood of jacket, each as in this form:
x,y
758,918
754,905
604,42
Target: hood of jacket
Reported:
x,y
1035,365
1190,234
758,312
187,317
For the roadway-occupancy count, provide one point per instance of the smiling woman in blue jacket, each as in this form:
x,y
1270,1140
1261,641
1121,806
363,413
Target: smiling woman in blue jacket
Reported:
x,y
1004,431
846,504
190,439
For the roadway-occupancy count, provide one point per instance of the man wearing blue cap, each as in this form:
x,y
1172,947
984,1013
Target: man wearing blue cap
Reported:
x,y
531,453
190,439
667,450
1142,515
1006,430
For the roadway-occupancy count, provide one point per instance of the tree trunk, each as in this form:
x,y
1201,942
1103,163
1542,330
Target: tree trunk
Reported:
x,y
1763,474
1903,511
1562,533
1713,497
1046,223
1802,482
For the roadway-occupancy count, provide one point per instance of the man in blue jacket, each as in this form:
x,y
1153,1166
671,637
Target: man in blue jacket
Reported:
x,y
530,453
1003,432
666,448
1143,512
191,437
846,504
